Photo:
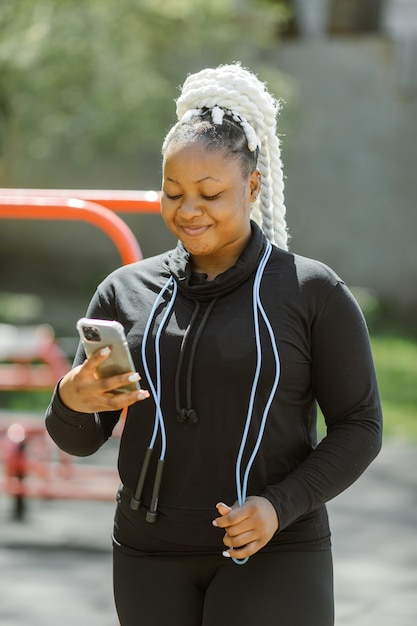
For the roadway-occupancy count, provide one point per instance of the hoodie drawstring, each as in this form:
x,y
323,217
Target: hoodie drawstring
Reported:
x,y
188,414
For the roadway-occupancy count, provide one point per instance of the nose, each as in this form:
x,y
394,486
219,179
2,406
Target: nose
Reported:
x,y
190,207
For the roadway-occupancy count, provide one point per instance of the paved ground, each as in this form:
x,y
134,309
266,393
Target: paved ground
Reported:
x,y
375,543
55,568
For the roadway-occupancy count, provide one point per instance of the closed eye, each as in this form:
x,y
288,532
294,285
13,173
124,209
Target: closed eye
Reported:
x,y
178,196
169,197
210,197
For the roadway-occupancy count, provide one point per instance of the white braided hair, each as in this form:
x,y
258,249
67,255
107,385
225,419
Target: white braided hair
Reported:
x,y
236,91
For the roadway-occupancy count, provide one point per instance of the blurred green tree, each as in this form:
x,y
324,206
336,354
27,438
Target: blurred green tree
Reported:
x,y
99,76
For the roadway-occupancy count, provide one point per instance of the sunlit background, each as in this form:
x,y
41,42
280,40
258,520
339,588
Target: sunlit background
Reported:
x,y
87,91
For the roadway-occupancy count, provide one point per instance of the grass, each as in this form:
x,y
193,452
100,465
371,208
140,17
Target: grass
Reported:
x,y
396,366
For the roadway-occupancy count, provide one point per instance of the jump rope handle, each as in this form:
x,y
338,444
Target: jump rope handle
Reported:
x,y
240,561
152,514
136,500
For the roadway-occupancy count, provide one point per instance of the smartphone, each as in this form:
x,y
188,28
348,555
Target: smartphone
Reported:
x,y
97,334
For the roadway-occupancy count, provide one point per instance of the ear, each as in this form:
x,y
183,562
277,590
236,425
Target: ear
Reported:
x,y
254,185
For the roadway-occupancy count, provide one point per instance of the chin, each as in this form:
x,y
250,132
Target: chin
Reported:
x,y
194,247
195,251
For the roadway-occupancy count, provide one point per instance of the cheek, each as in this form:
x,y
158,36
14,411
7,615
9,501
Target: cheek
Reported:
x,y
167,214
244,208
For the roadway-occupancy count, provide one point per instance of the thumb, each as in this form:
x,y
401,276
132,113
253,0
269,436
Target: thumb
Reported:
x,y
223,508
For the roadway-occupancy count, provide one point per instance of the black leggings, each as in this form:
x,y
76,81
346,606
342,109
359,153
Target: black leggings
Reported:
x,y
271,589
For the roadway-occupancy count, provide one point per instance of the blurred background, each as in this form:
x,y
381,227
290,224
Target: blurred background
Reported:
x,y
87,94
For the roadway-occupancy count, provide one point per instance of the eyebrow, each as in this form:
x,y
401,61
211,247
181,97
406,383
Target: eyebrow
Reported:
x,y
201,180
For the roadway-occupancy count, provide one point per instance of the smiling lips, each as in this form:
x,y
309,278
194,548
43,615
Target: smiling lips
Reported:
x,y
194,231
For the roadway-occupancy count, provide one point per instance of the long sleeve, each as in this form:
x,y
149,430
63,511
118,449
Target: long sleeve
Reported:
x,y
345,386
80,434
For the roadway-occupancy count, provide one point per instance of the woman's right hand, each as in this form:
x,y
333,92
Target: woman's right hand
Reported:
x,y
81,389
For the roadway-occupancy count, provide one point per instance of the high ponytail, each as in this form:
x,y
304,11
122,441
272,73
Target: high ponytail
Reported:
x,y
234,94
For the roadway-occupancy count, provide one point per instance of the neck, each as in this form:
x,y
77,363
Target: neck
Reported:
x,y
211,269
213,265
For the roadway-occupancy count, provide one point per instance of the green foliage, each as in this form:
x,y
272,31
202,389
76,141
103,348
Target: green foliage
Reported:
x,y
25,401
100,76
19,307
396,366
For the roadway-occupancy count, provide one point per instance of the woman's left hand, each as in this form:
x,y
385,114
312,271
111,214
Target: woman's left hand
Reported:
x,y
249,527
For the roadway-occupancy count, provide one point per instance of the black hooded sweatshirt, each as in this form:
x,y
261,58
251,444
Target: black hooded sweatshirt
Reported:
x,y
207,364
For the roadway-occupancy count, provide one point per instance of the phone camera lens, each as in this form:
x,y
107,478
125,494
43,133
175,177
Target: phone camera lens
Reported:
x,y
91,333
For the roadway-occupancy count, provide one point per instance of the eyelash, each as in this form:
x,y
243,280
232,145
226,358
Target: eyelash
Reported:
x,y
204,197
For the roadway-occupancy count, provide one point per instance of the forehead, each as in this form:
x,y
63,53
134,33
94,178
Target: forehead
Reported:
x,y
197,159
183,148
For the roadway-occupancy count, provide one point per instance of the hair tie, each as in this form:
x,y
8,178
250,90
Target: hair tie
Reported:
x,y
188,115
217,115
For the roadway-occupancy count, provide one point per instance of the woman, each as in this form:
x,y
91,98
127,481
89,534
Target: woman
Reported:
x,y
237,340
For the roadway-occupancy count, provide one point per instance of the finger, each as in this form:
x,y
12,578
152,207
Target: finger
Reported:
x,y
241,528
223,508
93,361
112,383
115,402
242,553
127,399
229,515
240,540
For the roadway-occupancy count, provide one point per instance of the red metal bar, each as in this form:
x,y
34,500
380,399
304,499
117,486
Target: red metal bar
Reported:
x,y
59,208
118,201
65,205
